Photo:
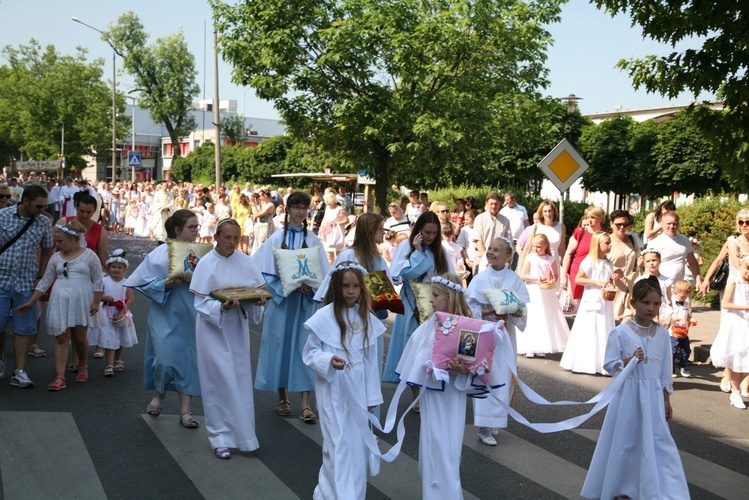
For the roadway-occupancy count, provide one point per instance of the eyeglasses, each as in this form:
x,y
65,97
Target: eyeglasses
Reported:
x,y
622,225
5,196
194,227
743,222
65,269
444,211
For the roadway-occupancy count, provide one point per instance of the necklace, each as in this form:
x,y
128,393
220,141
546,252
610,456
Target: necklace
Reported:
x,y
648,334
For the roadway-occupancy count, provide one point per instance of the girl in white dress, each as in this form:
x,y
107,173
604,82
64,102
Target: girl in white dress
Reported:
x,y
74,300
443,401
208,222
651,259
731,346
342,344
488,414
635,456
118,330
546,330
586,346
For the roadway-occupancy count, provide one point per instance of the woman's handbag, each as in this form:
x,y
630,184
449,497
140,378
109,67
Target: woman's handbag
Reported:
x,y
720,278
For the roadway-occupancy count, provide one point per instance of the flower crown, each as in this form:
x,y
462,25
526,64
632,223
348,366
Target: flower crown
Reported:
x,y
650,250
343,266
118,256
449,284
509,244
67,230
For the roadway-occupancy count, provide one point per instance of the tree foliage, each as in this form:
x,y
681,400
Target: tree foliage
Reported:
x,y
40,89
719,65
401,89
607,148
164,73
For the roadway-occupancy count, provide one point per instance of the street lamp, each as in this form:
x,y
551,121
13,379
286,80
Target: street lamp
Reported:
x,y
114,93
571,101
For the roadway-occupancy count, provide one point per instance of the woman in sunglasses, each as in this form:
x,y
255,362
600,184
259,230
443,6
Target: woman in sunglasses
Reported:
x,y
625,248
74,300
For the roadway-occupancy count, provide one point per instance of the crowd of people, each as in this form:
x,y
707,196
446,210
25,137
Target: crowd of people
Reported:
x,y
327,338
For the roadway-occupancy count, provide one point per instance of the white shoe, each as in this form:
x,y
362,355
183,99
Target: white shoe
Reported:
x,y
485,436
735,400
21,379
530,355
744,394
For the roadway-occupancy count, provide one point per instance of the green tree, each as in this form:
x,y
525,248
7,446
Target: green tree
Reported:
x,y
164,73
232,126
718,65
400,89
40,89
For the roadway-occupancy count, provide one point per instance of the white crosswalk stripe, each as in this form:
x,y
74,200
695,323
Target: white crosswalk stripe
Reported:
x,y
700,472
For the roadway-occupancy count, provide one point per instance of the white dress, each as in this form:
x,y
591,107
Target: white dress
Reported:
x,y
110,335
331,233
223,346
730,348
554,235
546,330
443,415
343,475
141,222
586,346
489,412
208,223
75,282
636,455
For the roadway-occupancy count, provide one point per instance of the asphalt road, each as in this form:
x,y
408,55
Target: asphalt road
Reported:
x,y
94,440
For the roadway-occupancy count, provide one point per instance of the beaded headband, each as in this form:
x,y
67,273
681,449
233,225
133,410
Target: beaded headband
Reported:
x,y
651,250
343,266
67,230
449,284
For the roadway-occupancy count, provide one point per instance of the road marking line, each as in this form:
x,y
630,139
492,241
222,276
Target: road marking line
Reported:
x,y
42,455
700,472
397,479
216,478
533,462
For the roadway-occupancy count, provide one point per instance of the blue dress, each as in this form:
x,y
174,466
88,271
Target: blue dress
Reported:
x,y
280,363
419,266
171,360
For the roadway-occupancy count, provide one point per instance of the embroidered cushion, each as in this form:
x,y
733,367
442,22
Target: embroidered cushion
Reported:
x,y
384,296
423,297
184,257
458,336
505,301
298,267
244,293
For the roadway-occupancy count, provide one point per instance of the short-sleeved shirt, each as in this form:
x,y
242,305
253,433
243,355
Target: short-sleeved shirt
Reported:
x,y
517,216
674,252
19,264
486,228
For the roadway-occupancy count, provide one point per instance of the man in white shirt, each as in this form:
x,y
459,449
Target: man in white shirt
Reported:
x,y
247,191
516,214
489,225
397,221
15,191
66,198
675,249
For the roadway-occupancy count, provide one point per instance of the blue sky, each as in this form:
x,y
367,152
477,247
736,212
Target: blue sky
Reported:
x,y
588,43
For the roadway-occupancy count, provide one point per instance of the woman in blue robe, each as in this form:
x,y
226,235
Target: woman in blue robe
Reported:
x,y
280,367
171,358
418,260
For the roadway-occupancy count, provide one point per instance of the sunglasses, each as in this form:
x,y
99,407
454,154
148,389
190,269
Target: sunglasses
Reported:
x,y
444,211
65,269
5,196
622,225
39,207
743,222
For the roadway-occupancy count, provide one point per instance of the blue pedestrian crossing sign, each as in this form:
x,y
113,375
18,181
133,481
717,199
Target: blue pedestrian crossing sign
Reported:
x,y
133,159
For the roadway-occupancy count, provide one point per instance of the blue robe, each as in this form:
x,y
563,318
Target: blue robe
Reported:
x,y
171,360
280,364
417,265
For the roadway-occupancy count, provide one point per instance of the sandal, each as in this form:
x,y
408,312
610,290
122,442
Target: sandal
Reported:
x,y
119,366
82,377
36,352
222,453
99,353
154,410
283,407
72,367
189,422
58,384
307,415
109,371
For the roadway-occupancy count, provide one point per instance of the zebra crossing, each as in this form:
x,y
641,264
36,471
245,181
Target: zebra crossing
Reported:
x,y
51,442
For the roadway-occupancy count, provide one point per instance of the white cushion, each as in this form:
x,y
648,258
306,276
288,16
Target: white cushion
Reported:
x,y
298,267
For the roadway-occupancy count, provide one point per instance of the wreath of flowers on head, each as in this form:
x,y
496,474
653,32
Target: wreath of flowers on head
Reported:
x,y
118,256
449,284
509,244
67,230
343,266
650,250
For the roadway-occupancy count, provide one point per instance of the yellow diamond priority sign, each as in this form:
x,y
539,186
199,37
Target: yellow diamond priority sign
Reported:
x,y
563,165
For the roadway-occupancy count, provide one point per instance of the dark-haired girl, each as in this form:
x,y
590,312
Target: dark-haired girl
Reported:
x,y
418,260
171,360
280,367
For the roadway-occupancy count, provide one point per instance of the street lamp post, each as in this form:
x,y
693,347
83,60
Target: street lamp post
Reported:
x,y
114,94
62,150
